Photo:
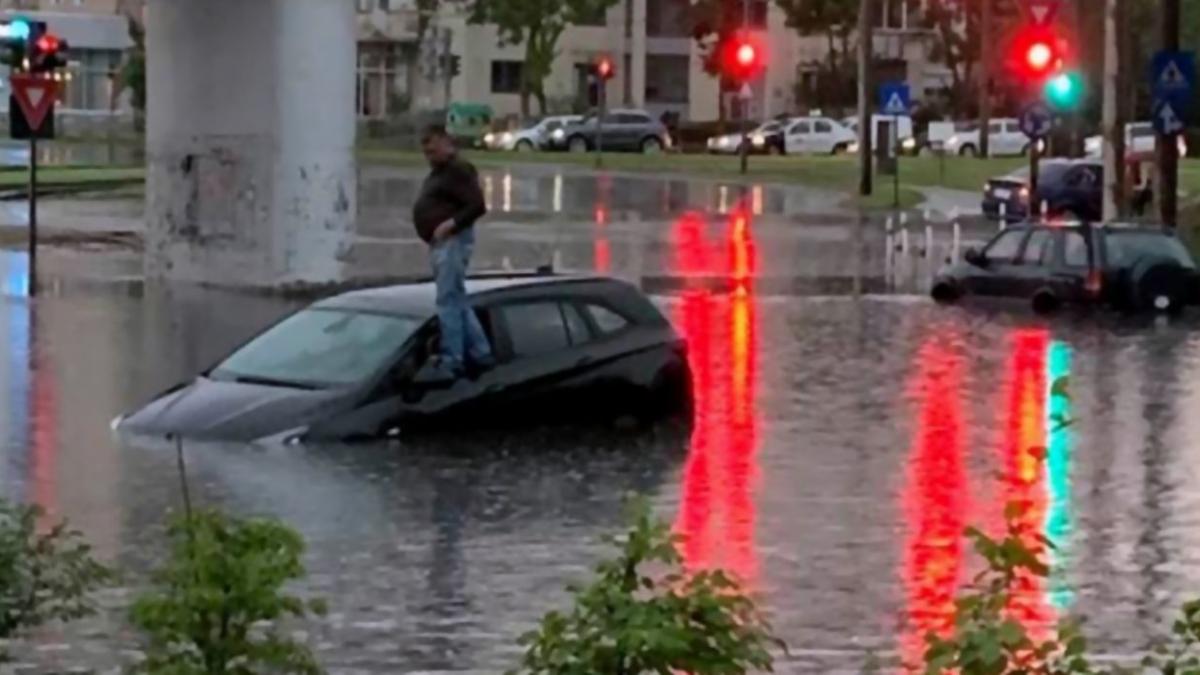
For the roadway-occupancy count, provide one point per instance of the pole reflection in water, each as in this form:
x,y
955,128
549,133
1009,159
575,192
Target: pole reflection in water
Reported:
x,y
1023,472
717,510
935,496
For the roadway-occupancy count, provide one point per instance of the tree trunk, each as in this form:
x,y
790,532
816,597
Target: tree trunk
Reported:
x,y
865,44
985,78
1114,126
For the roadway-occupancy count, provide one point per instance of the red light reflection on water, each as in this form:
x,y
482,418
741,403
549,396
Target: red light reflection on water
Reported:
x,y
717,511
601,253
935,496
1023,451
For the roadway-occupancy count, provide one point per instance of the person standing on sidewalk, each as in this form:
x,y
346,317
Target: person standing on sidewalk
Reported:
x,y
449,204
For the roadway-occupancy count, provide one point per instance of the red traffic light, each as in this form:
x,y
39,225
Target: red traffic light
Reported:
x,y
1039,56
604,68
48,43
746,55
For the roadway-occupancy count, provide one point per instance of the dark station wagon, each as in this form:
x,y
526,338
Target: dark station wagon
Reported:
x,y
350,367
1132,268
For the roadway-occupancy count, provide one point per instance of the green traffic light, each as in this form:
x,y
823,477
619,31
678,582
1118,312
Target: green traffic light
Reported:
x,y
1065,91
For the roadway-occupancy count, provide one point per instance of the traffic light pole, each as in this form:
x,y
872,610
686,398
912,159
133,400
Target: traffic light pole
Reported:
x,y
865,51
1168,152
1035,203
603,104
33,219
745,145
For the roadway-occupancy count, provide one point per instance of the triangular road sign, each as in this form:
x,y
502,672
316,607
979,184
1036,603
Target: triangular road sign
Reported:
x,y
1172,77
36,97
895,104
1043,12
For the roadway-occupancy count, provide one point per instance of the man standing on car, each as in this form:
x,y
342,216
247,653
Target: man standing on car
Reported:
x,y
444,214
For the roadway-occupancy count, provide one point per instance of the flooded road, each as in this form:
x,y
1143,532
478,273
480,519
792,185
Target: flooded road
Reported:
x,y
840,446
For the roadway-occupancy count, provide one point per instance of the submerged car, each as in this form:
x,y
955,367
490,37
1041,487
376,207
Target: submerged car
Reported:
x,y
1129,267
351,367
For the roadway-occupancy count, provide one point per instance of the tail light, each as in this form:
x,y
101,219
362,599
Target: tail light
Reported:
x,y
1094,283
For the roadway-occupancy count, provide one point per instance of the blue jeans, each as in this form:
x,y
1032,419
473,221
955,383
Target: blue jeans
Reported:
x,y
462,336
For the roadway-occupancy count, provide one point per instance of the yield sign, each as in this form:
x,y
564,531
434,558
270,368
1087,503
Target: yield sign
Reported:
x,y
1042,12
36,96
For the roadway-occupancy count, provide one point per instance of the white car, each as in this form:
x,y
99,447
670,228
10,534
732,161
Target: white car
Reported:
x,y
817,135
908,142
1140,139
766,138
1004,138
532,137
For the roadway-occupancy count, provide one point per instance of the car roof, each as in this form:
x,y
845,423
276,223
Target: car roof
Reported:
x,y
418,299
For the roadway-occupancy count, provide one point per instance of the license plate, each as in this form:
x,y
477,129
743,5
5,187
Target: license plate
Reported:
x,y
1002,194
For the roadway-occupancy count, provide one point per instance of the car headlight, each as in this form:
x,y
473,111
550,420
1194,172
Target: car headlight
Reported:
x,y
712,143
852,148
953,141
489,138
506,137
558,134
909,143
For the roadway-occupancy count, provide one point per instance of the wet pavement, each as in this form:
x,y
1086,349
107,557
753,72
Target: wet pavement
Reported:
x,y
841,443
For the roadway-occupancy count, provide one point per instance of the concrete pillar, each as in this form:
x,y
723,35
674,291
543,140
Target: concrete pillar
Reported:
x,y
637,66
250,140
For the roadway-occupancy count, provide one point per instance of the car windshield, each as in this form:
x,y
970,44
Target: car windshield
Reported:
x,y
319,348
768,128
1047,172
1125,248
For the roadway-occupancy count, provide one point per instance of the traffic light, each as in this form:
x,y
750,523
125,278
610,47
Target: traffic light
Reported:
x,y
1064,91
742,59
48,54
1039,57
15,36
605,69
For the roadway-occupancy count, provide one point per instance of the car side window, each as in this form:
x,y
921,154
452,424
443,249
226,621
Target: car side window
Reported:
x,y
629,118
606,320
995,128
1005,246
800,128
535,328
1039,249
1075,253
577,327
822,127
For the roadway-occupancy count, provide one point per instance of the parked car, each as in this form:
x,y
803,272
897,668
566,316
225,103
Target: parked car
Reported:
x,y
622,131
766,138
1140,139
817,135
1004,139
533,136
1066,187
354,366
1134,268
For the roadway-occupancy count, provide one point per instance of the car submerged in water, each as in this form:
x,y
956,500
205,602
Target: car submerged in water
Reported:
x,y
351,367
1133,268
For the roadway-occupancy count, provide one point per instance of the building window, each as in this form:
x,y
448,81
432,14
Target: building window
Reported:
x,y
382,81
597,15
667,78
891,14
668,18
91,79
506,77
758,13
365,6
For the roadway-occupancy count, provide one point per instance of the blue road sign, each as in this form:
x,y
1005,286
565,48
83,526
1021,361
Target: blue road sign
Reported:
x,y
1173,81
894,99
1036,121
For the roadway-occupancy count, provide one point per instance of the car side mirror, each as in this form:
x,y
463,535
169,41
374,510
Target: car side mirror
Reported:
x,y
974,257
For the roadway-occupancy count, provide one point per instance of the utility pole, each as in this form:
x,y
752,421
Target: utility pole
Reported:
x,y
985,77
447,75
865,51
1114,122
1168,153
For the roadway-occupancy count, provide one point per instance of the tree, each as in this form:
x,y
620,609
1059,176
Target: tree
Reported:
x,y
955,26
132,76
538,24
627,622
836,20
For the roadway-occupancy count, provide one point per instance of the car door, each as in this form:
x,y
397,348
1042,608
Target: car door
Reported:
x,y
799,137
1033,268
822,140
1082,192
630,126
994,277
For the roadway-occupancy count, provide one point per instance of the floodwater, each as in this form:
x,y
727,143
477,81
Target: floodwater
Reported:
x,y
840,446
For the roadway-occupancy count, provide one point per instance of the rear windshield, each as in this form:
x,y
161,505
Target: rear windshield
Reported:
x,y
1125,248
1050,171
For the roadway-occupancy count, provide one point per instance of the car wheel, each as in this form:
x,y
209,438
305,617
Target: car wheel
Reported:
x,y
651,146
668,397
968,151
1045,302
840,149
945,293
1158,286
577,144
524,146
773,149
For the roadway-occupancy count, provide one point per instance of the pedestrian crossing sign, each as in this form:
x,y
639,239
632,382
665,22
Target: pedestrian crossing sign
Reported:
x,y
894,99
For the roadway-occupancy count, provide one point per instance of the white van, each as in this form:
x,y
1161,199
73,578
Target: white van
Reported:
x,y
908,141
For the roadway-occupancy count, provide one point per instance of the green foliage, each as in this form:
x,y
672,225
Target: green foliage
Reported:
x,y
538,24
627,623
44,575
1180,656
220,595
987,639
133,72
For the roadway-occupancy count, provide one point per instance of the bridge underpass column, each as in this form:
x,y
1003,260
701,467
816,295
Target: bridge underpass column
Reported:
x,y
250,140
